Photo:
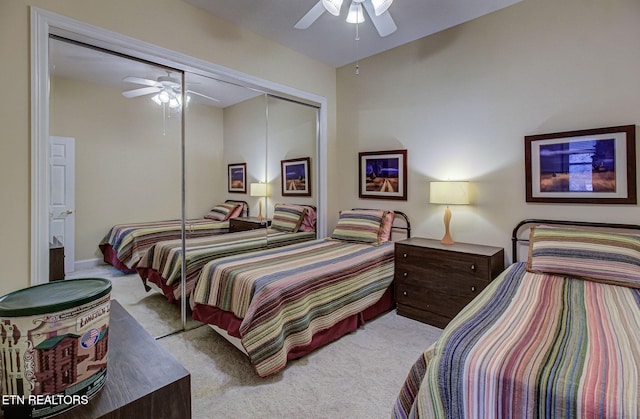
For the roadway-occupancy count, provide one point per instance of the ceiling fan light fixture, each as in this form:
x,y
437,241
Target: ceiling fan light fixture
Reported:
x,y
332,6
381,6
355,13
164,96
174,102
156,99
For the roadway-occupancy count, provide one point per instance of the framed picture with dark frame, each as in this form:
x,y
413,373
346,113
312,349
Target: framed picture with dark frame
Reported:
x,y
296,177
237,177
593,166
383,174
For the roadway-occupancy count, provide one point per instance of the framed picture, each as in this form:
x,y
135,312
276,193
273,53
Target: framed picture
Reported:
x,y
383,174
594,166
238,178
296,177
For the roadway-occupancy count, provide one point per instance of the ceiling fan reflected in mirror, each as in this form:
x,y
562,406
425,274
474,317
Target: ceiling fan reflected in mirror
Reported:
x,y
165,90
376,9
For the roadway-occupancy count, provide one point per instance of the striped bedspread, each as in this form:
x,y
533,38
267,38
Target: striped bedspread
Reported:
x,y
131,241
533,346
285,295
163,260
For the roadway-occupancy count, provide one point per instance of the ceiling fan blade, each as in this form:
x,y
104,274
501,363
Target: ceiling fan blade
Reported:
x,y
384,23
311,16
139,80
204,96
142,91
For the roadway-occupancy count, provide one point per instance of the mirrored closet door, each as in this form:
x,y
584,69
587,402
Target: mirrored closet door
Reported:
x,y
115,159
225,147
154,143
292,142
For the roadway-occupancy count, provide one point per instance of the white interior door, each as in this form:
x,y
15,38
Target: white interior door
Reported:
x,y
62,197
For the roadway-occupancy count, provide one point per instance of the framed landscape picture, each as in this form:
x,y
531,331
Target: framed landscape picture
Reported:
x,y
296,177
383,174
237,178
594,166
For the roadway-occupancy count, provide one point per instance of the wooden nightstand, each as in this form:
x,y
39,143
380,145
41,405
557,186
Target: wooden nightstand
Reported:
x,y
433,281
247,223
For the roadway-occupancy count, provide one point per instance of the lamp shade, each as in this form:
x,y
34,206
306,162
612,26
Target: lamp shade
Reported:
x,y
449,193
258,189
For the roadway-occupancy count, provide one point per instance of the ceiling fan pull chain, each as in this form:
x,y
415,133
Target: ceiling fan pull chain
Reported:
x,y
357,39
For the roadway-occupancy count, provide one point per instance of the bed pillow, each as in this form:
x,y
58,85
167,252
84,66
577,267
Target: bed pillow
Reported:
x,y
309,219
287,217
362,226
387,225
606,257
237,211
221,212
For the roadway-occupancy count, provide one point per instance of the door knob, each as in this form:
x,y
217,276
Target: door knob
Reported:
x,y
69,212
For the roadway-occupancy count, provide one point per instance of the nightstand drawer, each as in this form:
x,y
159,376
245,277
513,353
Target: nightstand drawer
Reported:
x,y
446,299
416,262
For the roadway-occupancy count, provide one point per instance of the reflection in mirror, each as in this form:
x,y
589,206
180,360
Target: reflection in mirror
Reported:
x,y
126,170
292,141
225,147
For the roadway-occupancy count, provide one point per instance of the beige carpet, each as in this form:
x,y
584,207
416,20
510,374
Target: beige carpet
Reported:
x,y
358,376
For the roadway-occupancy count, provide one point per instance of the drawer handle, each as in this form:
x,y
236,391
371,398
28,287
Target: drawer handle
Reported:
x,y
473,266
405,274
473,289
404,255
404,293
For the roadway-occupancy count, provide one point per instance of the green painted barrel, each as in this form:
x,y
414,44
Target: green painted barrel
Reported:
x,y
53,346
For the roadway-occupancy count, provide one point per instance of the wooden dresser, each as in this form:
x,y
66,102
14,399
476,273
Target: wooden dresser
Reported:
x,y
247,223
433,281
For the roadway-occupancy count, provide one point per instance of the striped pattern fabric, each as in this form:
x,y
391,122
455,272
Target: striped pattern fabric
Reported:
x,y
131,241
359,226
533,346
221,212
588,254
164,259
287,217
284,296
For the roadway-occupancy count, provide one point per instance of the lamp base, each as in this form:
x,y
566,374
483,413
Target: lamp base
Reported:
x,y
260,210
446,239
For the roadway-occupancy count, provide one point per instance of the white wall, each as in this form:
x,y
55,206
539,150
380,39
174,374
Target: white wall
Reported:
x,y
461,102
128,159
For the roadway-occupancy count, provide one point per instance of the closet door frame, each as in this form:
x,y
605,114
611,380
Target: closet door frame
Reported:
x,y
44,23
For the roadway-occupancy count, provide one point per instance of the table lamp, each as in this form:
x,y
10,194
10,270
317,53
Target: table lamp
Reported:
x,y
259,190
448,193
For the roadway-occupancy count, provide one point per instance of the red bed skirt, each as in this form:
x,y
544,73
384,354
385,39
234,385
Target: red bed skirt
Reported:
x,y
153,276
111,257
229,322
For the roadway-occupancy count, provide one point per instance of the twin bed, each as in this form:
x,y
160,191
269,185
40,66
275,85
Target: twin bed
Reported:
x,y
125,244
555,336
162,263
280,304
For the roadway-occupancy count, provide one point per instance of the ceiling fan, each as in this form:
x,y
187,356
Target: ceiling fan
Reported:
x,y
166,89
376,9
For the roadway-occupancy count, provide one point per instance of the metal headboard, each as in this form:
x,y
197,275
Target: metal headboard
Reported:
x,y
515,239
405,218
245,205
